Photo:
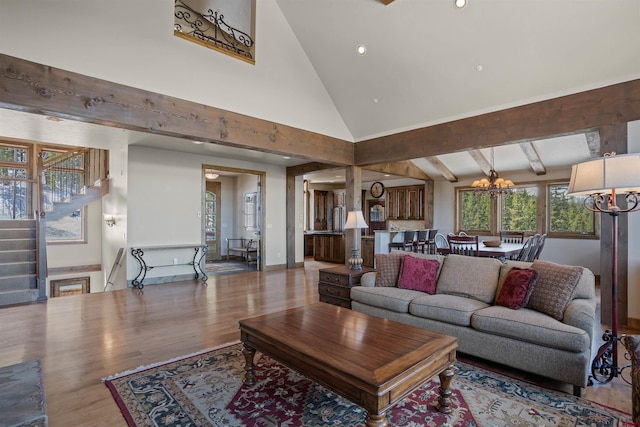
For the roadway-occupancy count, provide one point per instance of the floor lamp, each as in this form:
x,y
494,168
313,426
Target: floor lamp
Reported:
x,y
355,221
599,180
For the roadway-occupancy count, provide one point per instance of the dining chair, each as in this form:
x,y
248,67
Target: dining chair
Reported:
x,y
512,236
431,242
540,245
462,233
407,241
464,245
528,250
421,241
441,244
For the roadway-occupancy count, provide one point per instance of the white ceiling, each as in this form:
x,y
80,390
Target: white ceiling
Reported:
x,y
426,63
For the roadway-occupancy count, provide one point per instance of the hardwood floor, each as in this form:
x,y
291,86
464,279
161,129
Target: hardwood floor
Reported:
x,y
82,339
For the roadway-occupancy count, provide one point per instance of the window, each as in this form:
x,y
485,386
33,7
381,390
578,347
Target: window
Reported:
x,y
250,211
64,178
15,198
475,212
567,215
523,210
519,209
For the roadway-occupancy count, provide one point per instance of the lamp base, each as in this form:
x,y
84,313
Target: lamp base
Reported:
x,y
604,367
355,262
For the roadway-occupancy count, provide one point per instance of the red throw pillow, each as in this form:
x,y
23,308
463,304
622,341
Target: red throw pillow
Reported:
x,y
517,287
418,274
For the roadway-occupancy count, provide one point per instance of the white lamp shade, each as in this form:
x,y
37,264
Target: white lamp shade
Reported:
x,y
355,220
615,172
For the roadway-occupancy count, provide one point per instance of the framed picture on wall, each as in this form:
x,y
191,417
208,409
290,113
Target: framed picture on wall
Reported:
x,y
66,287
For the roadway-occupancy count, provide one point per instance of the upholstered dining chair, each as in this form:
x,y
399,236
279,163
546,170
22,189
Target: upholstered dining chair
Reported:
x,y
441,244
464,245
512,236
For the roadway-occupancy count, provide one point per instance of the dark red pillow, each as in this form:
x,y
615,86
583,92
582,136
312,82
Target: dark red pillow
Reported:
x,y
418,274
517,287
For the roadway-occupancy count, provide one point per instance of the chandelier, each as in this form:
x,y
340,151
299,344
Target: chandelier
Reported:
x,y
494,186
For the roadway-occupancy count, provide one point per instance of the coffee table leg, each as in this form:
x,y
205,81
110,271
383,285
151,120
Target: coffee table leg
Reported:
x,y
249,375
444,402
376,420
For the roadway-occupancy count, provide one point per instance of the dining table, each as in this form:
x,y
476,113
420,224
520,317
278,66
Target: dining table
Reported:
x,y
502,252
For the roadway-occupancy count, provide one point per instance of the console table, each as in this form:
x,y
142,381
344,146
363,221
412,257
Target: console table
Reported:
x,y
138,253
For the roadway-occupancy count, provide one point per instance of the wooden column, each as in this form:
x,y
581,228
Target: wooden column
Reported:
x,y
614,139
353,183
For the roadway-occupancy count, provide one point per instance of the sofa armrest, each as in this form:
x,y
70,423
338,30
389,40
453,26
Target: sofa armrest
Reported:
x,y
581,313
368,279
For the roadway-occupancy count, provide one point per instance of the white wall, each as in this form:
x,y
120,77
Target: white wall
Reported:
x,y
165,196
131,42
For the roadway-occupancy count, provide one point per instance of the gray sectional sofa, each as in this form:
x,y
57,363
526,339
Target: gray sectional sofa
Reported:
x,y
463,306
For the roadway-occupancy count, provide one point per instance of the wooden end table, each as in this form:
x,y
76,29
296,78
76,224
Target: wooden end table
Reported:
x,y
373,362
335,283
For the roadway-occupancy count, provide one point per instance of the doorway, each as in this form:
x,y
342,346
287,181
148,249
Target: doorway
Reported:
x,y
232,202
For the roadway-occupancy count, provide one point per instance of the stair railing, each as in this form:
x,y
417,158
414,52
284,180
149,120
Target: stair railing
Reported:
x,y
114,268
69,174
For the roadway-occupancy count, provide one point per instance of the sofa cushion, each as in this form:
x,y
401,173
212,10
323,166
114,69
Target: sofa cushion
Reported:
x,y
530,326
388,268
418,274
517,287
554,288
389,298
450,309
468,276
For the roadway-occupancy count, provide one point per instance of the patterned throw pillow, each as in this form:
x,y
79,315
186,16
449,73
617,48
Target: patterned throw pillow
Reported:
x,y
554,288
388,268
418,274
517,288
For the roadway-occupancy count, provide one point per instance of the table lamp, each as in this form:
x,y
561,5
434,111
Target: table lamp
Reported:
x,y
355,221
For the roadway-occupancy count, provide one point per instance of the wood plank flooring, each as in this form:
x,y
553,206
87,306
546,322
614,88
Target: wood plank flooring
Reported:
x,y
81,339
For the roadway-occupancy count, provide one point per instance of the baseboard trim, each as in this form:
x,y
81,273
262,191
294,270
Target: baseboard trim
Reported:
x,y
275,267
57,271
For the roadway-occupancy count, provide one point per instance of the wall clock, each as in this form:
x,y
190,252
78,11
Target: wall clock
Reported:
x,y
377,189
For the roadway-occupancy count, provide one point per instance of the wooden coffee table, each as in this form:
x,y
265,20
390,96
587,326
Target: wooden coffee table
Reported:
x,y
371,361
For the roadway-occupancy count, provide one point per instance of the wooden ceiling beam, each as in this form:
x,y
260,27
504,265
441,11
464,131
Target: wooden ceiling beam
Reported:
x,y
40,89
481,160
404,168
580,112
309,168
593,142
534,159
444,170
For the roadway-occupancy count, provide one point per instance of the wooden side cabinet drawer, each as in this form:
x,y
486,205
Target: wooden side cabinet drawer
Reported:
x,y
334,291
334,278
334,284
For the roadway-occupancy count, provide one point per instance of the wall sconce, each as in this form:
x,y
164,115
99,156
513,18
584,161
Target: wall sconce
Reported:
x,y
109,220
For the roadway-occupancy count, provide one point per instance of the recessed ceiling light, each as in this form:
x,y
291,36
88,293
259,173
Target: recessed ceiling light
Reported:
x,y
460,3
361,50
198,142
479,68
54,119
286,157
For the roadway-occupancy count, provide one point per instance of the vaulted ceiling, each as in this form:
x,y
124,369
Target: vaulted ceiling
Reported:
x,y
428,63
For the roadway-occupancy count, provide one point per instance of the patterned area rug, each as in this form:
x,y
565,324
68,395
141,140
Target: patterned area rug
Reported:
x,y
22,395
206,389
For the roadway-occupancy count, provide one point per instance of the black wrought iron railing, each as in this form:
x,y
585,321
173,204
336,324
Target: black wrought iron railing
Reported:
x,y
210,28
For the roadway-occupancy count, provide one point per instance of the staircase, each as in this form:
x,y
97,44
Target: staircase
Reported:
x,y
18,262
